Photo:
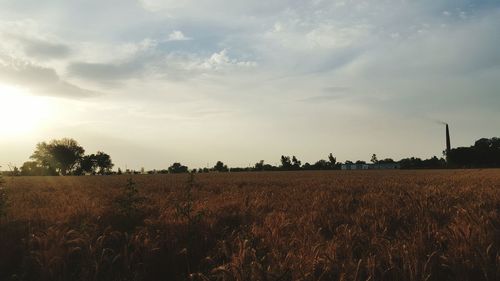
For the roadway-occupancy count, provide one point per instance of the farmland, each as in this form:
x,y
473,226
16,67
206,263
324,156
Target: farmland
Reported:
x,y
332,225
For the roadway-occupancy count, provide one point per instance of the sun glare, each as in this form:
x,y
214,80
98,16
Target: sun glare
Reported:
x,y
20,113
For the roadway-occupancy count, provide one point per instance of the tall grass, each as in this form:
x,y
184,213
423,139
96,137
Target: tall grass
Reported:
x,y
3,199
375,225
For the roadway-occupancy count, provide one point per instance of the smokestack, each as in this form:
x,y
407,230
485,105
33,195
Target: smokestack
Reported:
x,y
448,143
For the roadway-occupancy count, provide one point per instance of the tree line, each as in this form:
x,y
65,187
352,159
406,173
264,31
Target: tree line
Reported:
x,y
485,153
66,157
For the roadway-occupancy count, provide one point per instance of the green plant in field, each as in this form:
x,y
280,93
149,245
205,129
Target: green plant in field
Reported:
x,y
128,202
184,207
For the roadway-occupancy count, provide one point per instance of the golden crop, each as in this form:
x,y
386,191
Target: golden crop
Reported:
x,y
334,225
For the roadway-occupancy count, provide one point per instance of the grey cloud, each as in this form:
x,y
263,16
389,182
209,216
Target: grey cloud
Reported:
x,y
40,80
45,50
41,49
105,72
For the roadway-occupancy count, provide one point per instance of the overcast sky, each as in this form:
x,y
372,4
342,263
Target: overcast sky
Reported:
x,y
152,82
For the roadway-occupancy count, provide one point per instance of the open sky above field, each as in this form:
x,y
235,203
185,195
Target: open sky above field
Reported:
x,y
156,81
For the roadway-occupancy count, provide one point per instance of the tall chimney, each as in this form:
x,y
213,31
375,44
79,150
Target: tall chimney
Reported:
x,y
448,143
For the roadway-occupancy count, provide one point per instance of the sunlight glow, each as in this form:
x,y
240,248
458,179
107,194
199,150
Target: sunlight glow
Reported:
x,y
21,113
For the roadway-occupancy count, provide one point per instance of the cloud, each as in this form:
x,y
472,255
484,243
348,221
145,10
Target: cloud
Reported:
x,y
298,34
155,65
221,60
39,80
457,50
45,50
104,71
41,49
177,36
331,93
23,38
111,64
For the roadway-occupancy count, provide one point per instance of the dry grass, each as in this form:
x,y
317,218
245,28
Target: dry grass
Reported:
x,y
371,225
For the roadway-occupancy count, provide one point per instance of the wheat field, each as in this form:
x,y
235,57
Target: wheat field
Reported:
x,y
333,225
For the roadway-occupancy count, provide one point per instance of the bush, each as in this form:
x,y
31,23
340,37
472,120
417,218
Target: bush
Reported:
x,y
128,206
184,207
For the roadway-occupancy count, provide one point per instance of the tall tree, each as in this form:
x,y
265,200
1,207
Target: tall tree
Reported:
x,y
259,166
333,161
33,168
296,163
88,164
177,168
62,155
286,163
104,162
220,167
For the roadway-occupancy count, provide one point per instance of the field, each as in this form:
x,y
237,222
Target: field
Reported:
x,y
337,225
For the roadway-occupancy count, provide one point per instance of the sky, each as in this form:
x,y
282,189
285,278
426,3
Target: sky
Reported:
x,y
153,82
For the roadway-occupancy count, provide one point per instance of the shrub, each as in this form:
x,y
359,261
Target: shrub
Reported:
x,y
128,206
184,207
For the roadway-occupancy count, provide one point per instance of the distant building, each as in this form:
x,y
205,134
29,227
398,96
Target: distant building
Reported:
x,y
378,166
355,166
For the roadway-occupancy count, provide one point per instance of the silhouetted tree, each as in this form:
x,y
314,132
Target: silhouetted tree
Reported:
x,y
259,166
88,164
495,143
33,168
103,162
417,163
177,168
386,161
62,155
289,164
485,153
286,163
240,169
374,159
308,167
482,144
220,167
321,165
296,163
333,161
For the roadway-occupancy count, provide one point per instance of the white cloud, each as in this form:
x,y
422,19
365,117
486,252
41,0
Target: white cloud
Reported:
x,y
221,60
331,36
177,36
